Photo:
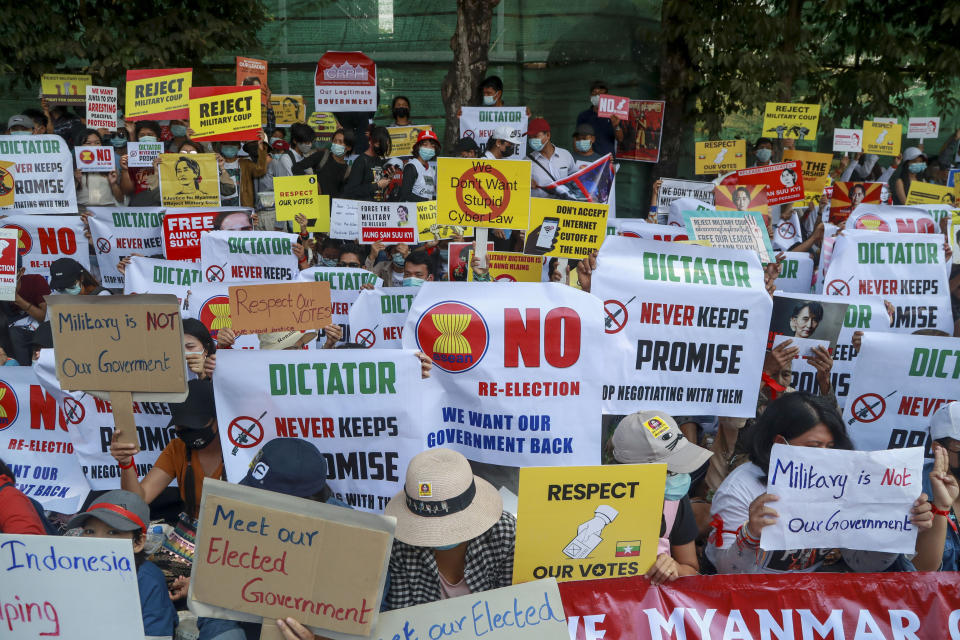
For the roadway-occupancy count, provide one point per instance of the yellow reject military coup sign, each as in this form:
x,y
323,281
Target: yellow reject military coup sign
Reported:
x,y
158,94
881,138
565,228
720,156
225,113
789,120
584,523
483,193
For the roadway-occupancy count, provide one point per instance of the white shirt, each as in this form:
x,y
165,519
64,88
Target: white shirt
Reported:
x,y
561,164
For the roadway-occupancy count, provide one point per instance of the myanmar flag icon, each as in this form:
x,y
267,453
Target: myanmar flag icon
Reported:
x,y
627,548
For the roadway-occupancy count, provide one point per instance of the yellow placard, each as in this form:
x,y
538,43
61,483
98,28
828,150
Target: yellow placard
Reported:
x,y
483,193
429,230
926,193
881,138
64,88
222,113
584,523
189,180
288,109
565,228
954,240
402,139
157,94
720,156
324,123
8,189
791,120
294,195
505,266
815,167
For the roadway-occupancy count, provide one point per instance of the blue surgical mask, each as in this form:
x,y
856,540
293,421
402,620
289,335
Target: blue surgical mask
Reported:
x,y
338,150
118,142
147,139
229,152
677,486
20,132
582,146
489,101
72,291
426,153
398,259
327,262
917,167
304,147
447,547
535,143
12,362
763,155
413,282
178,130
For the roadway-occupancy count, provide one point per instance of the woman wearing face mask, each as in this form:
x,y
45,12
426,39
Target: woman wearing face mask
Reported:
x,y
67,276
178,129
653,437
330,165
244,170
134,180
366,180
911,169
95,189
419,176
741,507
199,349
400,110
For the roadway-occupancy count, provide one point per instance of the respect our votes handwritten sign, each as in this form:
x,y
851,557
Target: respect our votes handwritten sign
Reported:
x,y
844,499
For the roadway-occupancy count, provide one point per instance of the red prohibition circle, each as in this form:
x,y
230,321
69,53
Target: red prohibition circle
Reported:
x,y
214,273
253,440
868,400
611,322
787,231
103,245
73,411
837,288
470,177
366,337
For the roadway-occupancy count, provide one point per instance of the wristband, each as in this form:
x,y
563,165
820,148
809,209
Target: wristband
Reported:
x,y
945,513
744,535
129,466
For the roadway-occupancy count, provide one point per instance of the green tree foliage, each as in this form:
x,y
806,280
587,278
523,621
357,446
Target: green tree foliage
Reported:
x,y
106,37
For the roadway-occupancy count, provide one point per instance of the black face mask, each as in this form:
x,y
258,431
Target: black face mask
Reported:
x,y
508,150
196,438
401,112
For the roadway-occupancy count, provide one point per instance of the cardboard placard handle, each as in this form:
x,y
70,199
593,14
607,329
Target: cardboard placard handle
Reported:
x,y
480,247
123,423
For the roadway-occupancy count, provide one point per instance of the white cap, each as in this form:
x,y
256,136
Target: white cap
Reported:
x,y
946,422
911,153
506,133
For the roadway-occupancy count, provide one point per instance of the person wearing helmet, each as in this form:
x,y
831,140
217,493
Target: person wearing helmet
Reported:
x,y
419,176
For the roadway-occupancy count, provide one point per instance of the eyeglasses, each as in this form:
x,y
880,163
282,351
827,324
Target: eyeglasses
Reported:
x,y
355,265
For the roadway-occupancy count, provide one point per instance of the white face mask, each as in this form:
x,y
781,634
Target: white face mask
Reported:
x,y
489,101
595,100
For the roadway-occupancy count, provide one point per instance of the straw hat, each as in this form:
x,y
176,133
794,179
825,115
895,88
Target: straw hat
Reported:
x,y
443,503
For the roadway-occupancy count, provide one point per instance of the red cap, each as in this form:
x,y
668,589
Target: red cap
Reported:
x,y
427,134
279,145
538,125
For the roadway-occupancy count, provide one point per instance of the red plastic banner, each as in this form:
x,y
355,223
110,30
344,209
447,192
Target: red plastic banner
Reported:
x,y
831,606
784,181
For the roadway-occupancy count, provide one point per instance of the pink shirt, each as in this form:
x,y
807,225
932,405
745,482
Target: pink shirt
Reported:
x,y
448,590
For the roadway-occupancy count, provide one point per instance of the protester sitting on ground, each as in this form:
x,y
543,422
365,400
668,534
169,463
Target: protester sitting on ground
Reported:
x,y
122,514
18,515
741,506
945,432
199,348
634,442
67,276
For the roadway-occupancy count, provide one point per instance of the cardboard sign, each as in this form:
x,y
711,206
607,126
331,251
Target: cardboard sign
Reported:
x,y
118,343
784,181
189,180
881,138
346,285
294,545
288,109
64,88
584,523
927,193
720,156
367,428
344,219
101,107
8,263
498,352
796,273
43,239
388,222
848,140
891,401
505,266
158,94
743,230
402,139
479,123
831,498
291,306
613,106
565,229
54,586
345,81
660,299
671,189
36,175
490,615
847,196
94,159
142,154
247,256
923,127
378,315
118,232
643,127
225,113
788,120
252,72
815,167
483,193
427,228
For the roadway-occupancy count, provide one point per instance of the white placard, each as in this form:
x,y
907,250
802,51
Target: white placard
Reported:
x,y
94,159
142,154
119,232
43,239
101,107
150,275
796,273
40,170
378,316
923,127
247,256
345,219
848,140
479,123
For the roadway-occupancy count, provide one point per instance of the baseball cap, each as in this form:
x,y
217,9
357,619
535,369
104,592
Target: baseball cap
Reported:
x,y
584,129
280,340
652,436
946,422
280,146
291,466
64,272
506,133
197,410
538,125
119,509
912,153
465,144
19,121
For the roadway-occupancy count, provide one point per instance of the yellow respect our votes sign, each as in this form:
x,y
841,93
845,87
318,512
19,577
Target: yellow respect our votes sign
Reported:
x,y
298,194
483,193
565,228
881,138
791,120
584,523
720,156
225,113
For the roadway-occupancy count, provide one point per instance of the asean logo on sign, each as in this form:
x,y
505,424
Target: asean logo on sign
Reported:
x,y
215,314
86,156
454,335
9,407
24,241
